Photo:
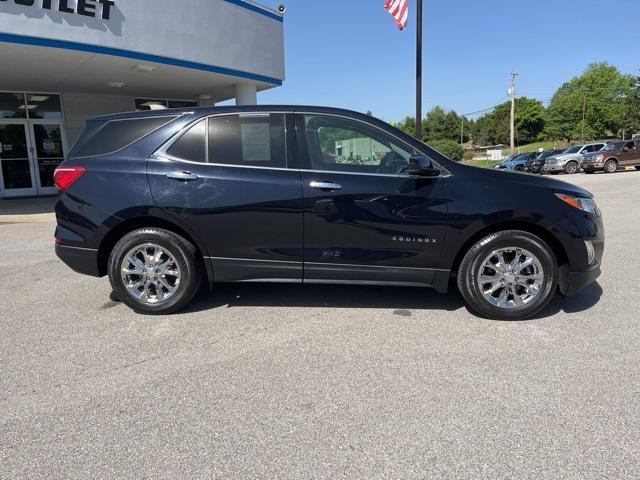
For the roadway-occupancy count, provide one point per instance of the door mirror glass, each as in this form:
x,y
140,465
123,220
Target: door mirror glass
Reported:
x,y
421,165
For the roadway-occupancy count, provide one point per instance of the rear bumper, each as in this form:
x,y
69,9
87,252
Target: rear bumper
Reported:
x,y
81,260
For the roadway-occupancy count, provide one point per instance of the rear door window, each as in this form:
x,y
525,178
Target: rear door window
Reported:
x,y
191,145
248,140
117,134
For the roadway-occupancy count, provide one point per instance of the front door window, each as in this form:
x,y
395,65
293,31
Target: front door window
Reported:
x,y
343,145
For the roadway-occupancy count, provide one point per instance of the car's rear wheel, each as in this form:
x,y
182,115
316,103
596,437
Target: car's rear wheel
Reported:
x,y
611,166
154,271
508,275
571,167
519,168
637,167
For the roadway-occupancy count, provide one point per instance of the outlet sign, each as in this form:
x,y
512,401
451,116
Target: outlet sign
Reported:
x,y
87,8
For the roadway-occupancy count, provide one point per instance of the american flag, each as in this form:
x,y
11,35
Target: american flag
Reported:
x,y
399,10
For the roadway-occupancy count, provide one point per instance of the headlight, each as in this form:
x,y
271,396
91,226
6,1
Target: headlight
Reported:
x,y
581,203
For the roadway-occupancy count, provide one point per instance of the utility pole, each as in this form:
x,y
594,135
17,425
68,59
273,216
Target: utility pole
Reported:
x,y
419,71
512,92
462,132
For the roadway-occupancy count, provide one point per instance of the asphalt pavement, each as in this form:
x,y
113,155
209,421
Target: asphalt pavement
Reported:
x,y
273,381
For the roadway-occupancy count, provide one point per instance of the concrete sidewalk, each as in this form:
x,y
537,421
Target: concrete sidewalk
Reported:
x,y
27,210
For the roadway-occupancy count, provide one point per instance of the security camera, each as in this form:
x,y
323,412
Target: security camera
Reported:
x,y
282,8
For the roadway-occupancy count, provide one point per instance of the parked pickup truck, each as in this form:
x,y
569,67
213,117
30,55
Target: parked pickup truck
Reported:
x,y
614,155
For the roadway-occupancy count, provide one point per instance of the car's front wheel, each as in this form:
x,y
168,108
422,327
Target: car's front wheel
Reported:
x,y
154,271
611,166
571,167
508,275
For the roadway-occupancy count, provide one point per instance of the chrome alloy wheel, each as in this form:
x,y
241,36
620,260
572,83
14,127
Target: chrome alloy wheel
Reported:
x,y
510,278
150,273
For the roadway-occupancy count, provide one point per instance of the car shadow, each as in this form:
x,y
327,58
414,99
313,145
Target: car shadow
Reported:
x,y
402,299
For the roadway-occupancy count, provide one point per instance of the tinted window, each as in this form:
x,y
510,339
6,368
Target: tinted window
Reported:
x,y
191,146
43,105
181,104
12,105
159,104
117,134
339,144
248,140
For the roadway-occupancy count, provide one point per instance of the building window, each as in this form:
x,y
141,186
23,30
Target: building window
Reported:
x,y
34,106
155,104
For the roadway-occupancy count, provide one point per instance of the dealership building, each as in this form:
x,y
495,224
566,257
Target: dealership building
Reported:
x,y
63,61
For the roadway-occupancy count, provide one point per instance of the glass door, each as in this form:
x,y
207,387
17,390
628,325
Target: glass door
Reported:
x,y
49,148
16,174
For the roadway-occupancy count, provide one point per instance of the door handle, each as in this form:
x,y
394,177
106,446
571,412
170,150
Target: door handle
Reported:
x,y
325,185
182,176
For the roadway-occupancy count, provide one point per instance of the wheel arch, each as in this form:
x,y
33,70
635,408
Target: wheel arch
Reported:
x,y
129,225
548,237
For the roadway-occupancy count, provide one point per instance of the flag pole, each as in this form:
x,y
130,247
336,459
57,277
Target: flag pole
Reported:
x,y
419,70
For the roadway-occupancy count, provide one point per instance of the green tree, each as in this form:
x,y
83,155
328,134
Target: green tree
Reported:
x,y
631,116
598,95
494,128
448,148
408,126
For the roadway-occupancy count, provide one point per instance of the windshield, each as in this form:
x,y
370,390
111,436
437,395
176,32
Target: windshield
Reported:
x,y
574,149
614,146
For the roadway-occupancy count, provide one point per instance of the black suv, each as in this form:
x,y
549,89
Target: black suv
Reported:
x,y
162,201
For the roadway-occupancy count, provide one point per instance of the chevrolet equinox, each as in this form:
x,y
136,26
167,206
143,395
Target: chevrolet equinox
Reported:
x,y
162,201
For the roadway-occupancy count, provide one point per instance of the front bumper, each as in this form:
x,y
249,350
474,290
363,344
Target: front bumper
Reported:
x,y
534,167
572,283
558,167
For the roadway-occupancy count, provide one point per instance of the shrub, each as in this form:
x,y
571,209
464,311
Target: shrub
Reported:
x,y
468,155
449,148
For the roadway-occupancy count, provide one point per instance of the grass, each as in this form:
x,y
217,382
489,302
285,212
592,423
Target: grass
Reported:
x,y
534,147
482,163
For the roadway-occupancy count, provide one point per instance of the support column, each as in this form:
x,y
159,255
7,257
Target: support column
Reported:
x,y
246,94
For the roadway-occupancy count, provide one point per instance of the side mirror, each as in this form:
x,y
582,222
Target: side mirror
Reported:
x,y
421,166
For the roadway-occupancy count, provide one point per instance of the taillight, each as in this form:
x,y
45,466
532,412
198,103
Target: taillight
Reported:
x,y
66,176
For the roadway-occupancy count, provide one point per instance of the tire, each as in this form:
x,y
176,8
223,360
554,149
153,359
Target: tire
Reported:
x,y
637,167
610,166
571,168
169,291
519,168
472,270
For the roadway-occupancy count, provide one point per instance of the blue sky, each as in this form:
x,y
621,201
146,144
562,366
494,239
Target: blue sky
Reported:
x,y
348,53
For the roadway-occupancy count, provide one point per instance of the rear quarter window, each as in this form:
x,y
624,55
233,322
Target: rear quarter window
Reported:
x,y
117,134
